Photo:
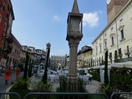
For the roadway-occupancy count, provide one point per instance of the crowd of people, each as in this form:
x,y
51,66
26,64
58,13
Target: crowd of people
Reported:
x,y
7,73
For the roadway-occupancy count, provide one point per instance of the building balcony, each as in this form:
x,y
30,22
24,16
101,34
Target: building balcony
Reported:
x,y
8,49
9,39
122,40
105,49
112,45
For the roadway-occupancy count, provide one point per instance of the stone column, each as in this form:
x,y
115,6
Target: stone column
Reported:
x,y
73,44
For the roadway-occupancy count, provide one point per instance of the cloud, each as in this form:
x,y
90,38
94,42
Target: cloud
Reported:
x,y
57,18
90,19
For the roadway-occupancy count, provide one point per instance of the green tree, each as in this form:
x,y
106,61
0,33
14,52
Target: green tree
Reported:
x,y
44,79
30,68
106,68
26,66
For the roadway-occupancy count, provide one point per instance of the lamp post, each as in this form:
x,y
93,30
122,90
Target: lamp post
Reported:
x,y
74,36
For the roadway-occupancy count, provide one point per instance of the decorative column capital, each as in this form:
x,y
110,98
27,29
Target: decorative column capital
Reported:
x,y
74,42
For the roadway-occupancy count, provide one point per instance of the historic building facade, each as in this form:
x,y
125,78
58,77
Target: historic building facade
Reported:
x,y
57,61
6,20
36,55
117,36
113,7
14,57
84,57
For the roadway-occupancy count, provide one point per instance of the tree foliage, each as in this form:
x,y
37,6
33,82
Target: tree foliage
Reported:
x,y
106,68
26,66
44,79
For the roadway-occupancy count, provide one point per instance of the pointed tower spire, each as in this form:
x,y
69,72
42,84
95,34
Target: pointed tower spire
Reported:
x,y
75,8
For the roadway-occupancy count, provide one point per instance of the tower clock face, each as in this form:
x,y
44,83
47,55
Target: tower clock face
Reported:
x,y
108,1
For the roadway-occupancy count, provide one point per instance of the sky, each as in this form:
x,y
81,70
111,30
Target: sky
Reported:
x,y
38,22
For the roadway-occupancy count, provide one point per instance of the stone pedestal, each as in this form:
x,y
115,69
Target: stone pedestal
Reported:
x,y
72,76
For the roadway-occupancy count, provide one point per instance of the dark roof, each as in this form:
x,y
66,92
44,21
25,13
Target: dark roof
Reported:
x,y
85,49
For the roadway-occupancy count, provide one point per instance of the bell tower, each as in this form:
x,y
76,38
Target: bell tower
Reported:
x,y
113,8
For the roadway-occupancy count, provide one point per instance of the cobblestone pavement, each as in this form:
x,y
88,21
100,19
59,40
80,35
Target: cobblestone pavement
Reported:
x,y
93,86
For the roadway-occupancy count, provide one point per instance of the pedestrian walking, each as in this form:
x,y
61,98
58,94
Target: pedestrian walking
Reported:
x,y
7,75
17,72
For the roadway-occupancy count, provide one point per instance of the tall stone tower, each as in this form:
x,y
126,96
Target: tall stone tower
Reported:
x,y
113,8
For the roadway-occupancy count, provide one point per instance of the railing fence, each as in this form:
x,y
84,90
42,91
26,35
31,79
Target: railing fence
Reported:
x,y
66,95
6,95
121,95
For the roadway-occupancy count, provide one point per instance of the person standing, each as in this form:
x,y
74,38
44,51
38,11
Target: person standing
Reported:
x,y
7,75
17,72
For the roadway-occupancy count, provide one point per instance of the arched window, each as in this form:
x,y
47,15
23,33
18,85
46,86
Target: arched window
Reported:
x,y
112,40
122,34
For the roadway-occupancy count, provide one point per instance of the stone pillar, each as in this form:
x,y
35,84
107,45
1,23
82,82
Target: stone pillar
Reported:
x,y
74,36
73,44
